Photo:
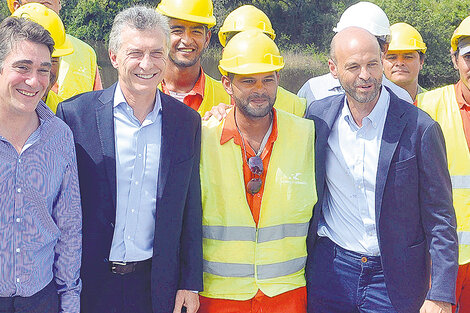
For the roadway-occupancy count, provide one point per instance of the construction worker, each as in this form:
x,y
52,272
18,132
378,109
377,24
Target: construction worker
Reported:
x,y
405,58
185,80
450,107
249,17
372,18
78,71
258,189
48,19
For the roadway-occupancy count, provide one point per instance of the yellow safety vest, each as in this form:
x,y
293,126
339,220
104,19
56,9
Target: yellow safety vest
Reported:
x,y
240,258
441,104
214,94
290,102
53,100
77,71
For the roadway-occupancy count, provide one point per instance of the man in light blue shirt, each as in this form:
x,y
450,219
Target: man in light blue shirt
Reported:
x,y
138,154
40,212
383,236
137,147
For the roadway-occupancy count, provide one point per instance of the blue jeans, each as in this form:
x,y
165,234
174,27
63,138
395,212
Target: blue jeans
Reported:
x,y
340,281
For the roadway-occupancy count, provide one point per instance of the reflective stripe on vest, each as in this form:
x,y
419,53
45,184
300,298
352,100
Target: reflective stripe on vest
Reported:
x,y
265,271
242,233
464,237
460,182
442,106
232,233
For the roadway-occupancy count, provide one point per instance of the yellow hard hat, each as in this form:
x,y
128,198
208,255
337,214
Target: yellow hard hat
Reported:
x,y
197,11
250,52
405,37
51,22
244,18
462,31
10,5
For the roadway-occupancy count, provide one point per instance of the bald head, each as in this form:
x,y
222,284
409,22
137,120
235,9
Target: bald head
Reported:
x,y
356,60
352,38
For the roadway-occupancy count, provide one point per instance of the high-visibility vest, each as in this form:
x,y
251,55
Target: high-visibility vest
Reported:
x,y
290,102
53,100
214,94
240,258
77,70
441,104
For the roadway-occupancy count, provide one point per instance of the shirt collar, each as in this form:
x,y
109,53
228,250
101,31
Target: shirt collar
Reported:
x,y
376,115
120,101
44,112
198,88
230,130
459,95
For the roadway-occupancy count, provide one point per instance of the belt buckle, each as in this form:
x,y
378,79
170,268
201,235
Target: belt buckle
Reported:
x,y
114,265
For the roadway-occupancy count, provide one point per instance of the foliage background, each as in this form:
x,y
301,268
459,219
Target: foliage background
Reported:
x,y
303,27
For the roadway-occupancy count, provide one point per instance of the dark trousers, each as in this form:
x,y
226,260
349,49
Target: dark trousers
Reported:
x,y
129,293
344,281
44,301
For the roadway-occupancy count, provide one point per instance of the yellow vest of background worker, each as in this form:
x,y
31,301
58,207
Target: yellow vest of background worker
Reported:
x,y
53,100
239,258
290,102
77,71
441,104
214,94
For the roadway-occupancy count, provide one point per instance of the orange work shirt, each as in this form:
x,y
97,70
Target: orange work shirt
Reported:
x,y
464,111
194,98
287,302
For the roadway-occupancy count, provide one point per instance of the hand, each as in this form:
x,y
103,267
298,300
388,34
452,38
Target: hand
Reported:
x,y
218,111
186,298
430,306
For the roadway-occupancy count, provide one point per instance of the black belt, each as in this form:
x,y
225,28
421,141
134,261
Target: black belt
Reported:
x,y
123,268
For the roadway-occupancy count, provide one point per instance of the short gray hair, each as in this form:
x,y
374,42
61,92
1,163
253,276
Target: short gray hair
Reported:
x,y
15,29
140,18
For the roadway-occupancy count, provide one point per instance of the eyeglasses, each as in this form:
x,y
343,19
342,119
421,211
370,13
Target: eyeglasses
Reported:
x,y
256,167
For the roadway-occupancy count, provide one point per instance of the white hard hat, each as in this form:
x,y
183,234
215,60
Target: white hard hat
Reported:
x,y
368,16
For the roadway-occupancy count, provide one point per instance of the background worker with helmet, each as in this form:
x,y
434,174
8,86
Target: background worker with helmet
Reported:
x,y
450,107
372,18
185,80
78,71
257,195
249,17
48,19
405,58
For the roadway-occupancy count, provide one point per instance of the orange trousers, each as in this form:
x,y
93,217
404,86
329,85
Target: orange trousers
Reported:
x,y
462,293
294,301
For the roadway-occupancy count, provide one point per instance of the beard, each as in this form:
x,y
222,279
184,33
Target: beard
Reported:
x,y
254,112
184,63
351,90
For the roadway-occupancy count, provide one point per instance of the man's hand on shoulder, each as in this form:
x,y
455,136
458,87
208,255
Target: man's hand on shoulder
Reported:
x,y
218,111
430,306
188,299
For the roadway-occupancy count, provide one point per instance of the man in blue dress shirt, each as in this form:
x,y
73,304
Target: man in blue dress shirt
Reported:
x,y
40,216
138,160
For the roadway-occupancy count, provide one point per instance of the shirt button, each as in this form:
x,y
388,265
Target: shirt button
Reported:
x,y
18,189
140,155
18,250
18,219
136,183
17,280
129,237
19,160
132,210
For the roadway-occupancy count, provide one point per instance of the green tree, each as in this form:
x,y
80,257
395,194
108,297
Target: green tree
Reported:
x,y
436,21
